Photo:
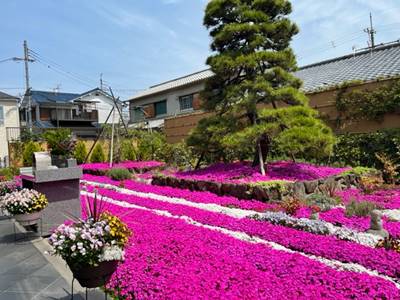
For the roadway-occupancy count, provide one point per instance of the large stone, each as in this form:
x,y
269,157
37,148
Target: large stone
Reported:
x,y
376,226
311,186
259,193
299,190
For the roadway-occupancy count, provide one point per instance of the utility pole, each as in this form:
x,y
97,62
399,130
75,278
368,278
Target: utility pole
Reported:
x,y
371,32
27,86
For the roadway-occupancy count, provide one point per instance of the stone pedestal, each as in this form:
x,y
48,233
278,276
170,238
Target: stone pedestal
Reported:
x,y
61,187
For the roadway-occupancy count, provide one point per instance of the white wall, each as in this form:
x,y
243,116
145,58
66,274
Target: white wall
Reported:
x,y
172,98
104,106
11,119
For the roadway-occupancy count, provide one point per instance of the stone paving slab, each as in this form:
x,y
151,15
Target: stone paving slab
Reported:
x,y
27,273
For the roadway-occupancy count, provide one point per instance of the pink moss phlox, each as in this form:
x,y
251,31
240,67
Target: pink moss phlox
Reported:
x,y
170,259
385,262
243,172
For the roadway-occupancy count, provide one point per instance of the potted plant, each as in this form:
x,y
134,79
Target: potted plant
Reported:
x,y
92,247
61,144
25,205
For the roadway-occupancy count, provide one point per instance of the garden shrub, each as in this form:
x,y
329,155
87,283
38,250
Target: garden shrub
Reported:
x,y
291,205
359,209
359,149
98,154
180,155
362,171
60,141
9,173
389,243
128,151
119,174
324,202
80,152
150,145
389,168
29,149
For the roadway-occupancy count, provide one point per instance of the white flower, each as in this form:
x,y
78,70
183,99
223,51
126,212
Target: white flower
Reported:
x,y
112,253
73,248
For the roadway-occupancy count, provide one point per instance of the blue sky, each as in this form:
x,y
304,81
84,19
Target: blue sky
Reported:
x,y
139,43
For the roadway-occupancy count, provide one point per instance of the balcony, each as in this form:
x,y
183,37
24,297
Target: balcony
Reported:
x,y
73,115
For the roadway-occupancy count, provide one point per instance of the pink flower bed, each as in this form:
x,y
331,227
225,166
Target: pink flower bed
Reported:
x,y
199,197
243,172
388,199
381,260
136,165
170,259
337,216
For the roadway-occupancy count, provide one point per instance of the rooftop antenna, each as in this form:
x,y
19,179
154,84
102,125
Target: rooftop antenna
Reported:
x,y
56,90
371,32
101,81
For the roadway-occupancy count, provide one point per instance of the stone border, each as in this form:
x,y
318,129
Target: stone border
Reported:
x,y
299,189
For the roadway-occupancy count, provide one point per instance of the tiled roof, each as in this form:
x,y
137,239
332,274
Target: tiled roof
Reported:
x,y
4,96
52,97
382,62
175,83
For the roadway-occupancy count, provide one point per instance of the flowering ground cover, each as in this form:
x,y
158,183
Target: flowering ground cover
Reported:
x,y
338,217
383,261
389,199
131,165
243,172
195,196
168,258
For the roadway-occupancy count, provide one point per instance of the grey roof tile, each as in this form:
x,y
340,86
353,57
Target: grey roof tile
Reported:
x,y
367,65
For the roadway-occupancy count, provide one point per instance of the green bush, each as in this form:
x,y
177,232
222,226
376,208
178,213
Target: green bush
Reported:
x,y
323,201
179,155
9,173
362,171
80,152
359,209
98,154
60,141
359,149
151,145
119,174
128,151
29,149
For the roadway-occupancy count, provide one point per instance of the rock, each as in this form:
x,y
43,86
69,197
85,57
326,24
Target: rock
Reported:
x,y
310,186
259,193
376,226
240,191
299,190
214,187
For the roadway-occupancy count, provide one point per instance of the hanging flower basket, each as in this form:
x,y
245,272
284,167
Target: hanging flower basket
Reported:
x,y
94,276
28,219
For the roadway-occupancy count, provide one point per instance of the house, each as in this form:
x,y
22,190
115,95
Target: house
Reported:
x,y
82,113
175,105
9,117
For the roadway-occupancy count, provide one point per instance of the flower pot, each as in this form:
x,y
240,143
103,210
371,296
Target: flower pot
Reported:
x,y
59,161
28,219
92,277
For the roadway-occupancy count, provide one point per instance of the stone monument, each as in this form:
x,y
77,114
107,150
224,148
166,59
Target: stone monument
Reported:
x,y
60,185
376,224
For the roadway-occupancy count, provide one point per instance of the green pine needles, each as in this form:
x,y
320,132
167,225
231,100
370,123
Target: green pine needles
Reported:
x,y
254,94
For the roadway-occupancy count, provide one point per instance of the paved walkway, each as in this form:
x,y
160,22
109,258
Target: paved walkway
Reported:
x,y
26,273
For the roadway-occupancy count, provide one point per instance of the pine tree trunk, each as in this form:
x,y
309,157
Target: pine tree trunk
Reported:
x,y
260,158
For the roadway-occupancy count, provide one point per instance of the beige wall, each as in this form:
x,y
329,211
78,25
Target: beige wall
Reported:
x,y
11,119
178,128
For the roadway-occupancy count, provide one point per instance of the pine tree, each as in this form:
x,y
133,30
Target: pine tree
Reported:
x,y
98,154
80,152
254,83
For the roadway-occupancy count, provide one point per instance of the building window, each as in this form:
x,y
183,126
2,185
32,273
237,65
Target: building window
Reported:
x,y
138,114
186,102
1,115
160,108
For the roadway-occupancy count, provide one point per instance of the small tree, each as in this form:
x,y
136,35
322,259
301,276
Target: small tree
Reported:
x,y
29,149
253,66
80,152
60,141
98,154
128,151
